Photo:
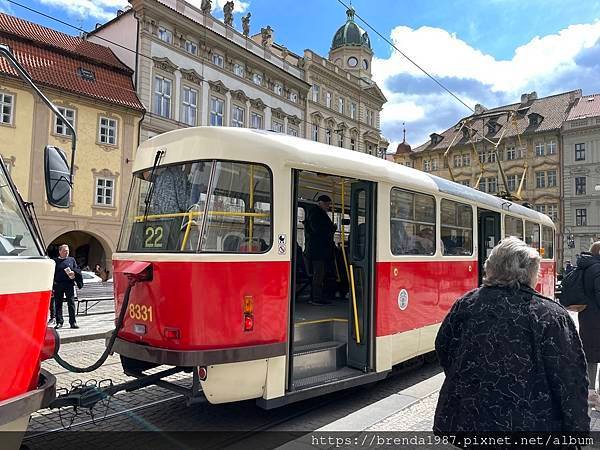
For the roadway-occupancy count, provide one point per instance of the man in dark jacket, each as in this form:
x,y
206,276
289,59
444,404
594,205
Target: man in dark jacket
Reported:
x,y
512,358
319,231
589,318
65,272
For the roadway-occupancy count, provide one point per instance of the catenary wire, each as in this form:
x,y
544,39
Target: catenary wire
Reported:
x,y
409,59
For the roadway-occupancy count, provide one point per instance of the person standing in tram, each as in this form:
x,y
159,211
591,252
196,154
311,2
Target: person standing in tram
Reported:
x,y
513,359
65,272
320,246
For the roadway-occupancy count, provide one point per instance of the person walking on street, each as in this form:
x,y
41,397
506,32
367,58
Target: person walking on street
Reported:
x,y
64,285
319,231
589,318
513,359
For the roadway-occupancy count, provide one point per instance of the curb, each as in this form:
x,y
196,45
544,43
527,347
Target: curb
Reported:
x,y
376,412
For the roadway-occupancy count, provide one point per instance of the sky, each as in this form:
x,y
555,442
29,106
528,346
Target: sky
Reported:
x,y
487,52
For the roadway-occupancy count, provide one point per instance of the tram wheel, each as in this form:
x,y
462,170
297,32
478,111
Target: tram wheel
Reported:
x,y
135,365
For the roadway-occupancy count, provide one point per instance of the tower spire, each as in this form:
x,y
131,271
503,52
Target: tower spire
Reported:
x,y
404,132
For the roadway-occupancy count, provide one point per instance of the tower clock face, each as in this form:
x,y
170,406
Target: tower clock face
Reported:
x,y
365,64
352,61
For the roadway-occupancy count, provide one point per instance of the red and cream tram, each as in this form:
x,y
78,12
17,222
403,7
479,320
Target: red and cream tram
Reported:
x,y
25,288
214,229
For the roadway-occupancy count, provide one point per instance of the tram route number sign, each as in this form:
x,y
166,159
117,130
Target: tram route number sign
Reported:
x,y
159,235
281,244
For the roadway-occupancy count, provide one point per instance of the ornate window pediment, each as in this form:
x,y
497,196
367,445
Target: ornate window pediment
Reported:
x,y
294,120
165,64
257,103
278,113
239,95
191,75
218,87
316,115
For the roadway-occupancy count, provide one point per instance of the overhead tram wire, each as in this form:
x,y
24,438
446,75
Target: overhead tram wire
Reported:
x,y
137,53
408,58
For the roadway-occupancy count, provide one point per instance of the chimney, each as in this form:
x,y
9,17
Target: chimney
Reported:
x,y
533,96
524,98
480,109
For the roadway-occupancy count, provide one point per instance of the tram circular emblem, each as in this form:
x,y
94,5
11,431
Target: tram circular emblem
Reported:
x,y
403,299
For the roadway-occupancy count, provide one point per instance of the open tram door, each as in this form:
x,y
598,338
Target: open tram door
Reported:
x,y
489,236
362,280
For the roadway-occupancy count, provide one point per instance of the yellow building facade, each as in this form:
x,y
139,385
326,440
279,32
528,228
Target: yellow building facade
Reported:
x,y
105,112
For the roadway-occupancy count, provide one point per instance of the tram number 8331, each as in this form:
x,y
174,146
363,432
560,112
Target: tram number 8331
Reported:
x,y
140,312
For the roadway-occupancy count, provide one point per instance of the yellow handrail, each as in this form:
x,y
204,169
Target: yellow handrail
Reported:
x,y
187,231
354,307
199,213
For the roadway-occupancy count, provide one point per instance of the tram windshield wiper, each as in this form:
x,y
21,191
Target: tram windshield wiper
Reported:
x,y
150,193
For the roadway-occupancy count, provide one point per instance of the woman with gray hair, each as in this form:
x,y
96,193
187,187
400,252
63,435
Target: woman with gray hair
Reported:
x,y
512,357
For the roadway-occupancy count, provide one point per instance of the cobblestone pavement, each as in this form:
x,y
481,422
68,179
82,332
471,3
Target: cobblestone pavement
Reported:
x,y
173,415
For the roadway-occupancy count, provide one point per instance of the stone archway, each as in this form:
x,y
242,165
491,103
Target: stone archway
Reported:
x,y
87,249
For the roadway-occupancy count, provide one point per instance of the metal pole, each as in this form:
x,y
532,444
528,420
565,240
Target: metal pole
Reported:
x,y
6,52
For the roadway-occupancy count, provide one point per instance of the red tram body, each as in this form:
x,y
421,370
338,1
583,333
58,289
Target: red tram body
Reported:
x,y
25,289
225,294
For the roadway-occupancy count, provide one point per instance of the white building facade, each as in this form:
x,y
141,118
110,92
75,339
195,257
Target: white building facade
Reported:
x,y
191,70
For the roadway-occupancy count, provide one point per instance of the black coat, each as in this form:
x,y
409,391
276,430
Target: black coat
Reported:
x,y
513,362
319,231
589,318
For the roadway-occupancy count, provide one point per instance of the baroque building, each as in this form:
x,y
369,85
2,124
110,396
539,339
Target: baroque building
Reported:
x,y
530,150
581,176
192,69
344,104
94,91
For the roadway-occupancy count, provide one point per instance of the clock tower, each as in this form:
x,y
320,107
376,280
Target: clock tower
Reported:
x,y
351,48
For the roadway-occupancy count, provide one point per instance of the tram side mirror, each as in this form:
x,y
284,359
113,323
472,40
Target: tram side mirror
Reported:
x,y
58,177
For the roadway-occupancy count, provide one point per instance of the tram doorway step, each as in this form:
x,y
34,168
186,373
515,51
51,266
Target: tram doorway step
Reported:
x,y
319,358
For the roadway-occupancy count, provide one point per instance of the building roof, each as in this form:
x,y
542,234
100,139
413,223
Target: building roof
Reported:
x,y
586,106
350,34
551,112
67,63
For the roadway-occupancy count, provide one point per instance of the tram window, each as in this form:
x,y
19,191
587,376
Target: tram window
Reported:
x,y
240,202
412,223
513,226
237,218
532,234
456,228
547,250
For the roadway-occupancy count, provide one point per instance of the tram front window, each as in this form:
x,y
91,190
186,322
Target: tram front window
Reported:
x,y
203,206
15,235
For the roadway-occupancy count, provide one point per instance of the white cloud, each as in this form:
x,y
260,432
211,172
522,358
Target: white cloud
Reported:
x,y
537,65
99,9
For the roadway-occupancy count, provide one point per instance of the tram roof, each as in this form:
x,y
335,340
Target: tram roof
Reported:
x,y
243,144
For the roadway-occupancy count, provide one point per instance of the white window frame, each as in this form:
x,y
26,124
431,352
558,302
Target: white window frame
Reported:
x,y
216,117
7,105
64,131
293,131
165,35
101,190
427,165
316,93
551,180
540,180
189,108
236,120
511,153
239,70
315,132
552,147
434,164
457,160
328,136
218,60
104,136
540,149
191,47
162,100
353,111
466,160
328,97
341,105
254,118
277,126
